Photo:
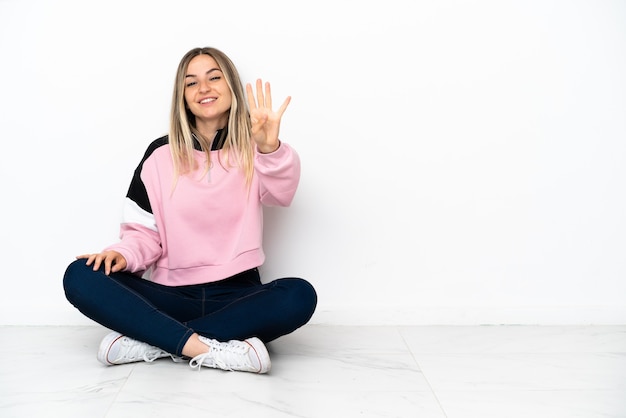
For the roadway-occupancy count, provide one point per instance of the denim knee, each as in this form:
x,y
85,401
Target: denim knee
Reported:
x,y
75,279
304,299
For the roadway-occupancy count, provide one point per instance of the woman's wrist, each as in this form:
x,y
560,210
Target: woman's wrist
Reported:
x,y
268,149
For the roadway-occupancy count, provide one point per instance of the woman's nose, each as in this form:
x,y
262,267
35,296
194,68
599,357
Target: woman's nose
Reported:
x,y
204,86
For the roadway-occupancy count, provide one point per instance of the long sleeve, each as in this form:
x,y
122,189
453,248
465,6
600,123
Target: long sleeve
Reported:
x,y
140,242
279,175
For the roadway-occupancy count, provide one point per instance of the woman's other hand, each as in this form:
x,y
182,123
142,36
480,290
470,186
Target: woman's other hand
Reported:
x,y
113,261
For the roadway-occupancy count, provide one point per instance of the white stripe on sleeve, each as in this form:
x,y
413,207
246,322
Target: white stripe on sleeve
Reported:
x,y
132,213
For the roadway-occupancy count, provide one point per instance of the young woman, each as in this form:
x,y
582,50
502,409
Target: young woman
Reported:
x,y
183,280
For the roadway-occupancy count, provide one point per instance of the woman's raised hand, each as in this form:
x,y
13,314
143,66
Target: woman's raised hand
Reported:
x,y
265,121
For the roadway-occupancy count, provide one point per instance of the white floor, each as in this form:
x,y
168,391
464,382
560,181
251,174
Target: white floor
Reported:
x,y
330,371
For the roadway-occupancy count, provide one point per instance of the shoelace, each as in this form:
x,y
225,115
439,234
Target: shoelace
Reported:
x,y
135,347
150,356
226,356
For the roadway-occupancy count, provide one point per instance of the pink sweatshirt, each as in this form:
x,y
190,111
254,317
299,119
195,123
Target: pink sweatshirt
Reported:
x,y
210,226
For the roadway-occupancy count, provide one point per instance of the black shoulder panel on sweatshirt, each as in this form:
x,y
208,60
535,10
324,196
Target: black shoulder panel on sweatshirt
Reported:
x,y
137,190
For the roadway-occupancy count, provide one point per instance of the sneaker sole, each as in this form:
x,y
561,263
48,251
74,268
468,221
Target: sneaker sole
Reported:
x,y
105,346
261,352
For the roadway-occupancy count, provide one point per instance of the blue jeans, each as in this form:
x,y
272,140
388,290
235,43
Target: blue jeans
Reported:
x,y
235,308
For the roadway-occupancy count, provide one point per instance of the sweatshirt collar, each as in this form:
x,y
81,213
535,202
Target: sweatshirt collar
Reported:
x,y
216,144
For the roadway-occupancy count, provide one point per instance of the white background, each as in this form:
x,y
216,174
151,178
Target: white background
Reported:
x,y
463,161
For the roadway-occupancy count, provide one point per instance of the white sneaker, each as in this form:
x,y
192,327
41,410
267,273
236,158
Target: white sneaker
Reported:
x,y
247,356
116,348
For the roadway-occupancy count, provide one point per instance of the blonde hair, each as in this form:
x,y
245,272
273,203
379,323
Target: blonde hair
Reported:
x,y
183,123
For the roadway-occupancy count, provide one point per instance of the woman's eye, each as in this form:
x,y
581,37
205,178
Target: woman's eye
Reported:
x,y
217,77
191,83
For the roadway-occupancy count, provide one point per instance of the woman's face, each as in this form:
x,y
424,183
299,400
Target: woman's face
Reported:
x,y
207,94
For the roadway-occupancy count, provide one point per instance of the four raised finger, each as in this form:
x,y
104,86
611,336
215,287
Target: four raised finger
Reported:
x,y
259,94
250,94
268,96
263,96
